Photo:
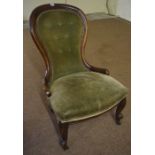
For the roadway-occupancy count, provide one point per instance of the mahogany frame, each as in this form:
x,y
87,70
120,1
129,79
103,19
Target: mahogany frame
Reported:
x,y
62,128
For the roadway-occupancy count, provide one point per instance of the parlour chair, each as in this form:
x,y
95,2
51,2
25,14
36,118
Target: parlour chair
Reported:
x,y
75,89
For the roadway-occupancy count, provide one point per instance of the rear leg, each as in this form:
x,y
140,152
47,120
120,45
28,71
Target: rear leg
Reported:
x,y
118,114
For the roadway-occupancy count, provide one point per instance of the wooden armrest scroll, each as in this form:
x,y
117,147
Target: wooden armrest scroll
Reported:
x,y
100,70
96,69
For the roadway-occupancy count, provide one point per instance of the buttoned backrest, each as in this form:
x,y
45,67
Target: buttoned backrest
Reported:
x,y
61,31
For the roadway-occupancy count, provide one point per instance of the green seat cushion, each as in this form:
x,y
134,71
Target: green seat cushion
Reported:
x,y
85,94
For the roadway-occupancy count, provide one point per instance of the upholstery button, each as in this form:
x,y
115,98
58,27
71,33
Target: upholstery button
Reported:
x,y
55,37
66,36
59,24
60,51
48,25
69,50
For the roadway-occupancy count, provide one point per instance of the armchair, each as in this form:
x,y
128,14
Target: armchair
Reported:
x,y
76,89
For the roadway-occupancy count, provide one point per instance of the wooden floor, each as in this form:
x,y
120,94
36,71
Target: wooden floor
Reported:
x,y
108,46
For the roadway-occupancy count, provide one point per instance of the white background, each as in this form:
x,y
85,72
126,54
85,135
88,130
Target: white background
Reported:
x,y
143,78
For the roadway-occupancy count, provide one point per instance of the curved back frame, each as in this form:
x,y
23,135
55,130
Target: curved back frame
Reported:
x,y
38,15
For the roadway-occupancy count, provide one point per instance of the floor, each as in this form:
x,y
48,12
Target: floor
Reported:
x,y
108,46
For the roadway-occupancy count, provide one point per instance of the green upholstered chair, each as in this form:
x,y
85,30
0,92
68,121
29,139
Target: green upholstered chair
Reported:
x,y
76,89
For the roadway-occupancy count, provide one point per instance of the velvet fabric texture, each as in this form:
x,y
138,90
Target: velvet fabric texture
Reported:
x,y
85,94
61,33
76,93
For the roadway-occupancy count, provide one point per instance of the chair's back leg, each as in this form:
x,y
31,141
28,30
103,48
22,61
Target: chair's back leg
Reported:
x,y
118,114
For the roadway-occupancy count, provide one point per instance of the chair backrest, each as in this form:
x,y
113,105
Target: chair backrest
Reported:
x,y
59,32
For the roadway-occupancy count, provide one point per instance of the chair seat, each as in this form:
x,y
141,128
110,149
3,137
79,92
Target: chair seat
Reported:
x,y
85,94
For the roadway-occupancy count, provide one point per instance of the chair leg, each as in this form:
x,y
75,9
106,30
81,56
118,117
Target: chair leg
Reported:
x,y
61,128
63,131
118,114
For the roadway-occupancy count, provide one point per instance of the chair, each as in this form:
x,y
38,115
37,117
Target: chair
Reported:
x,y
76,89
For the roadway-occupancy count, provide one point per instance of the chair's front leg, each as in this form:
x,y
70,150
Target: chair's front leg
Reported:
x,y
63,128
118,114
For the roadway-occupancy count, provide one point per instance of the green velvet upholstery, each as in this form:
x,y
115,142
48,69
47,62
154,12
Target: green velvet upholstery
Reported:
x,y
76,93
85,94
61,33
